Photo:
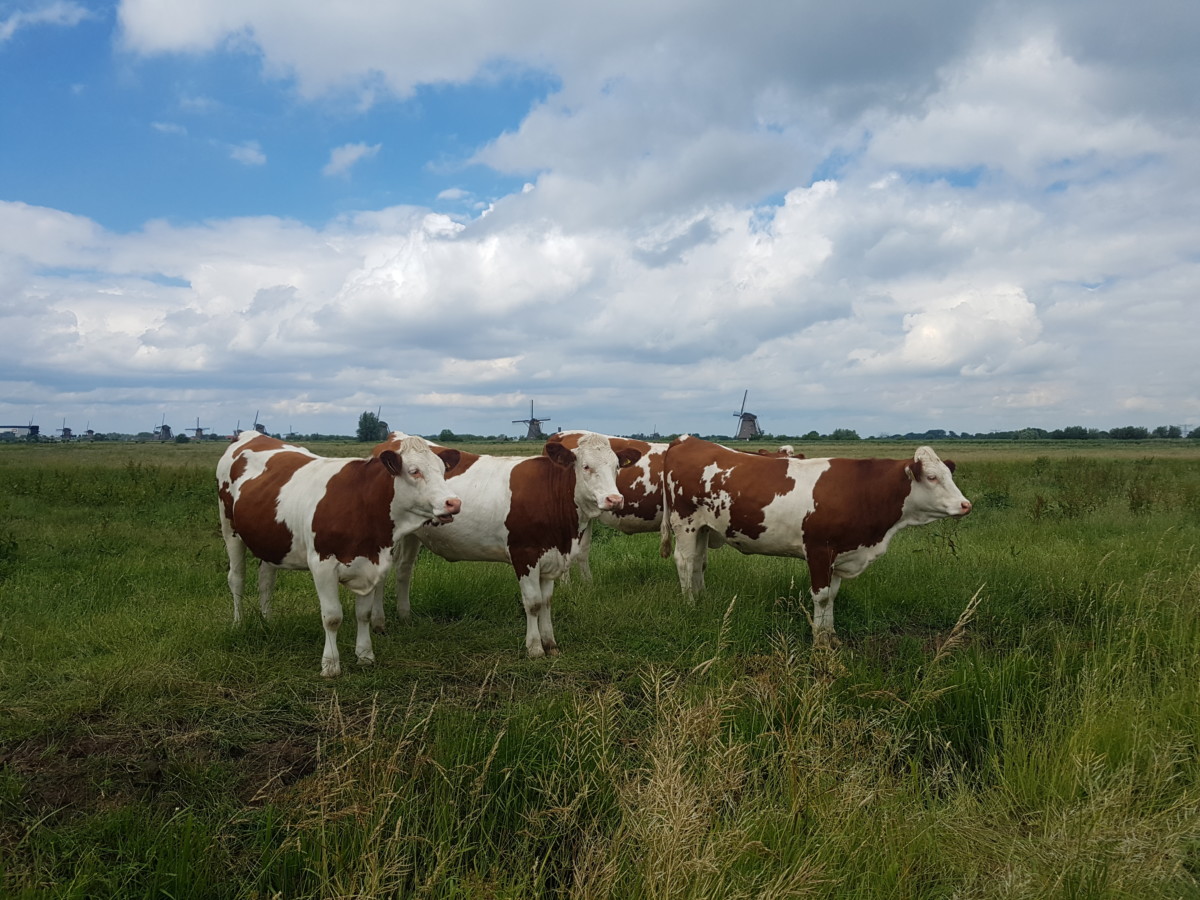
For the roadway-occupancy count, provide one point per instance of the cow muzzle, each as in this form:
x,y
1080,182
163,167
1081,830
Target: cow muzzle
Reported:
x,y
612,502
453,507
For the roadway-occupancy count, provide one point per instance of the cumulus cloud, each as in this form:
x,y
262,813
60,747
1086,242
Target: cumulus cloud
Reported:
x,y
344,158
938,215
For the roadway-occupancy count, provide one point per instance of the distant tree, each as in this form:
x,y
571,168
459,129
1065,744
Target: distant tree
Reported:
x,y
1168,431
1072,433
811,436
844,434
182,439
445,435
371,427
1194,434
1129,433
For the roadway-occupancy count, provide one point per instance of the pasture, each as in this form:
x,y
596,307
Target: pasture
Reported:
x,y
1014,712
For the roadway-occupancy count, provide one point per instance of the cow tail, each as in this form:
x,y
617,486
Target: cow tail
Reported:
x,y
664,529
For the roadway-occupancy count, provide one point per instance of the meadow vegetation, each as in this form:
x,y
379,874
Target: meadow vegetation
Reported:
x,y
1015,711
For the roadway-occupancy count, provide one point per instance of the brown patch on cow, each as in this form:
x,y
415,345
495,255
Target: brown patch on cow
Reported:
x,y
354,517
543,515
856,502
254,512
750,481
238,469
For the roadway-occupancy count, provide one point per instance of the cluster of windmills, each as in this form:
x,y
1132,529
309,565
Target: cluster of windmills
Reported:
x,y
748,427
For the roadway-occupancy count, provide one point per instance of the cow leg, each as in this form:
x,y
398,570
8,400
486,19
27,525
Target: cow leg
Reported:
x,y
325,578
691,558
266,587
545,625
235,548
535,608
825,586
582,557
364,605
406,558
378,620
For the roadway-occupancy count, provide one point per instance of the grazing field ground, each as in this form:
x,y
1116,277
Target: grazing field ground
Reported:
x,y
1014,712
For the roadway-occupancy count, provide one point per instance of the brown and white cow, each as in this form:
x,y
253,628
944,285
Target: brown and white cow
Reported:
x,y
838,514
531,512
640,485
338,518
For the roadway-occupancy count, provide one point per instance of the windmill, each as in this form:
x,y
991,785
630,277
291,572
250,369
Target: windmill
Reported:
x,y
747,422
34,430
535,425
199,429
65,432
257,426
163,431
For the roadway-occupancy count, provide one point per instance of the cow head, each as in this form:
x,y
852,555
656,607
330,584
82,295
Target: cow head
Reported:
x,y
933,493
595,466
420,475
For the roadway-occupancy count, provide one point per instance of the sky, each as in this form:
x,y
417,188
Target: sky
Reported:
x,y
881,216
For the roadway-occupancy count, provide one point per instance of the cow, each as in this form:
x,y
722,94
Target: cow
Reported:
x,y
530,512
338,518
838,514
640,485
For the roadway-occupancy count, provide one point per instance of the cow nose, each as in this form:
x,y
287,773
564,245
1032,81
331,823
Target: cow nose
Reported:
x,y
614,501
453,506
966,507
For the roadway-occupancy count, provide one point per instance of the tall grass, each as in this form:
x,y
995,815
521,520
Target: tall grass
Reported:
x,y
1015,711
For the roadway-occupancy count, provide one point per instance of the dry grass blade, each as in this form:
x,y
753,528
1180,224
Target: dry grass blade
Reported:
x,y
958,634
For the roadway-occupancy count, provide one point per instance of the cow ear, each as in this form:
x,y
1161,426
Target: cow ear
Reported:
x,y
559,454
391,462
628,457
449,457
949,465
913,470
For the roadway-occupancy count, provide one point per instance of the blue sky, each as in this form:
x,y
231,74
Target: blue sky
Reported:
x,y
123,138
941,215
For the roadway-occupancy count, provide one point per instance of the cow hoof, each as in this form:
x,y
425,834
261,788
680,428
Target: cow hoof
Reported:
x,y
367,660
826,640
331,671
552,651
535,652
379,629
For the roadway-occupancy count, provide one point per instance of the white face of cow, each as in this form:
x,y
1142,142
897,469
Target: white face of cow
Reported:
x,y
421,489
595,466
933,495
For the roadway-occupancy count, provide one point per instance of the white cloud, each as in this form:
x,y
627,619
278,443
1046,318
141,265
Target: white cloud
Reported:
x,y
59,12
249,153
344,158
933,215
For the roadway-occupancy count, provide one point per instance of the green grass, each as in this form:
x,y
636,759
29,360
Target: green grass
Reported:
x,y
1041,741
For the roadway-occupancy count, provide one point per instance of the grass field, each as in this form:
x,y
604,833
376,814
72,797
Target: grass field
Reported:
x,y
1015,711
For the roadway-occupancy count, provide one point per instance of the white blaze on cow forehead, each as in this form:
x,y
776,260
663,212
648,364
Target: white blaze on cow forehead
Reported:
x,y
591,442
926,454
